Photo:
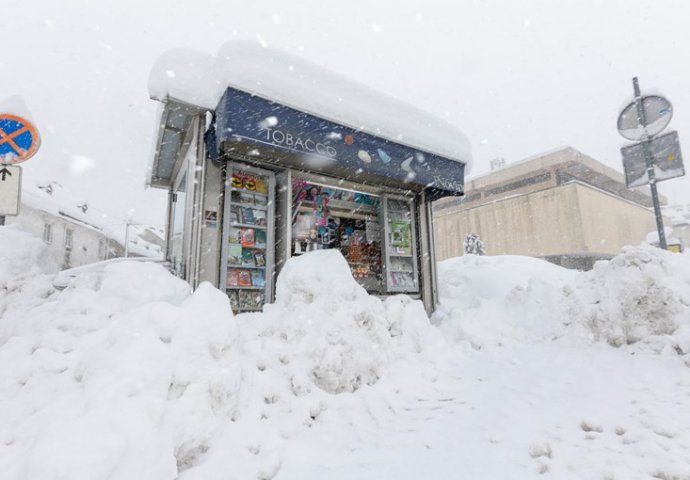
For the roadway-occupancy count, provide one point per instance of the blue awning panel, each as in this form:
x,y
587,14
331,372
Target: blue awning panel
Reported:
x,y
318,145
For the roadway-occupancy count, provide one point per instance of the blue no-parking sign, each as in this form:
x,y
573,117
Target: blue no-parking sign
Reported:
x,y
19,139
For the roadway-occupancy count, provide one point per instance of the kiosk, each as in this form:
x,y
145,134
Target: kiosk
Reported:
x,y
280,167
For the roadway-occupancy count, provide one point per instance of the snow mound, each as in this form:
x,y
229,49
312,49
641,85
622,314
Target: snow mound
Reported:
x,y
493,300
121,375
641,295
22,255
344,336
640,298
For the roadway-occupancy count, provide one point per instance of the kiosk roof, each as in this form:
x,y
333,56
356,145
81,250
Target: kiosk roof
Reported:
x,y
201,79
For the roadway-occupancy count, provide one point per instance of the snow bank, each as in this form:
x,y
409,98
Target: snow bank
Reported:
x,y
493,300
344,336
121,375
640,298
124,374
22,255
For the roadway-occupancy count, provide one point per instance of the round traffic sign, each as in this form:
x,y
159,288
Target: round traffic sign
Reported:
x,y
658,112
19,139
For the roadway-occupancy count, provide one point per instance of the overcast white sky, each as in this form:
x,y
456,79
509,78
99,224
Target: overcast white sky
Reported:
x,y
518,78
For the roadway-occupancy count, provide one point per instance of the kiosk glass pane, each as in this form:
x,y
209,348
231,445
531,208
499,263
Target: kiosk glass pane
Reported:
x,y
327,217
401,247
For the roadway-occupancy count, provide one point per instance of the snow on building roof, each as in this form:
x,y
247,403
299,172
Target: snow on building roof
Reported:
x,y
200,79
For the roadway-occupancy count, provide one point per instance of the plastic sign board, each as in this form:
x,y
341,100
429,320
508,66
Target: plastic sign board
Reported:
x,y
666,158
10,189
19,139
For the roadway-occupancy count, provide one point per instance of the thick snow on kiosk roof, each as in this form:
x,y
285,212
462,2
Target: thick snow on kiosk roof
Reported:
x,y
201,79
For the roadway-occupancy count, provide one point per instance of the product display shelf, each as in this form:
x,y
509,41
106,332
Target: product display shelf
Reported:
x,y
247,260
401,268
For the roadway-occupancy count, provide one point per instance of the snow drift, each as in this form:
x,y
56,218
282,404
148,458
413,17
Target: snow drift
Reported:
x,y
640,298
125,374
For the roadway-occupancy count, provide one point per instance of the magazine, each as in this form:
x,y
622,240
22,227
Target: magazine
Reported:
x,y
258,278
248,237
247,258
259,259
233,277
234,254
244,278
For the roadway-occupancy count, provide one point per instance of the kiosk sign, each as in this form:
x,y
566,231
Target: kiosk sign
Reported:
x,y
19,139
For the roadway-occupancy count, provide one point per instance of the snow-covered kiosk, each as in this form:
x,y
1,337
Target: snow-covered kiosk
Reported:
x,y
267,156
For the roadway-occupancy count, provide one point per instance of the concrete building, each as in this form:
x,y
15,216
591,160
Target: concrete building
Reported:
x,y
562,206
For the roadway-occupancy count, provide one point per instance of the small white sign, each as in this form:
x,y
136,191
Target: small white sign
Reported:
x,y
10,189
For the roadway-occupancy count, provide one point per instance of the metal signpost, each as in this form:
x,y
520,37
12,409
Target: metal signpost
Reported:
x,y
19,141
653,158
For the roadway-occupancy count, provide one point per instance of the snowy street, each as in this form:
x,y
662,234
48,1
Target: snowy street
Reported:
x,y
540,409
123,373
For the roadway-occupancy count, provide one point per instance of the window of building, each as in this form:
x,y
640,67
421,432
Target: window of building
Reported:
x,y
69,236
48,233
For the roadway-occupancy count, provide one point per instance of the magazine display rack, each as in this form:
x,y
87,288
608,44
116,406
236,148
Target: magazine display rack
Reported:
x,y
401,246
248,239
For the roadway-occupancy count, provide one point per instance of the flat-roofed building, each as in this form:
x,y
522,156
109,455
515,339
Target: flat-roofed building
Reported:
x,y
562,205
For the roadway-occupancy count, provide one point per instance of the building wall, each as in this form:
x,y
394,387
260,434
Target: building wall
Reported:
x,y
88,245
609,223
538,224
571,220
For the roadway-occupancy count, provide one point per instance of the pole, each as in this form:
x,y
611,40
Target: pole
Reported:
x,y
2,220
127,239
649,161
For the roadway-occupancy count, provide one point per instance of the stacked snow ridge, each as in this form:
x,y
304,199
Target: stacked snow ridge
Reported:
x,y
346,336
640,299
126,374
641,296
123,374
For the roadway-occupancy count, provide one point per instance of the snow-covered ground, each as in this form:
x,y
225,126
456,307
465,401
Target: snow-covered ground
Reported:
x,y
526,370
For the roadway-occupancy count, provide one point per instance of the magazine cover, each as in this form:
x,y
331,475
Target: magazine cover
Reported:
x,y
258,278
247,215
401,237
233,277
244,278
247,258
260,238
234,235
234,254
248,237
259,259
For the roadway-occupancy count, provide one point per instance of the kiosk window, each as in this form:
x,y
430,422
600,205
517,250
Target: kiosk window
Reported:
x,y
326,217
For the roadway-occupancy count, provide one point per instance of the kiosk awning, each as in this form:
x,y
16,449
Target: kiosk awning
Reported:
x,y
254,126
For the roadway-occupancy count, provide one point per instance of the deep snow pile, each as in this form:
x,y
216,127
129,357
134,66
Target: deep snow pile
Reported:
x,y
640,299
22,255
325,356
490,301
125,374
